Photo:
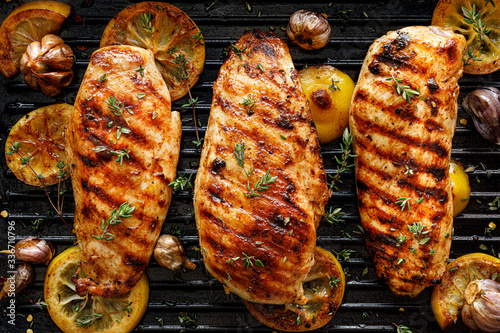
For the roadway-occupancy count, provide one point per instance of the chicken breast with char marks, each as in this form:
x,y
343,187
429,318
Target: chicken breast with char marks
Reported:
x,y
402,117
123,148
261,188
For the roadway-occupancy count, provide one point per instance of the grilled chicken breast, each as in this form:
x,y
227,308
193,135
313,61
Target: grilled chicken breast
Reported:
x,y
261,188
123,146
402,117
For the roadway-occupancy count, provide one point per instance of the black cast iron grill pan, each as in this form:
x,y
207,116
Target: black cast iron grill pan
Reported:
x,y
368,305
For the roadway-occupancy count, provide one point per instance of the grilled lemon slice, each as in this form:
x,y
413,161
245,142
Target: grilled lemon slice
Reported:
x,y
460,186
324,287
26,24
169,33
39,136
447,298
76,314
482,57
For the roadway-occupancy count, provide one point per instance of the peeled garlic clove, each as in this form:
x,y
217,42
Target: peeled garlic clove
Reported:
x,y
308,29
34,249
169,253
484,107
21,279
482,309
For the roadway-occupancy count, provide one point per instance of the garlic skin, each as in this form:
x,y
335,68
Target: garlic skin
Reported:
x,y
34,249
481,311
46,65
484,107
169,253
308,29
21,279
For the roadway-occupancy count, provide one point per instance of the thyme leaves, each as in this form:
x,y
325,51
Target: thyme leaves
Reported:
x,y
124,211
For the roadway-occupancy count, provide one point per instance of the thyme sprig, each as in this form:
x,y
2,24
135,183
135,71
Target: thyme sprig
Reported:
x,y
342,165
121,154
90,319
261,185
237,51
402,329
146,23
473,17
62,173
248,261
402,89
181,62
118,108
333,216
403,203
417,229
124,211
181,182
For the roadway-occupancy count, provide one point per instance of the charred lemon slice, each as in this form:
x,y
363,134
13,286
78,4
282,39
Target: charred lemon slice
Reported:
x,y
26,24
447,298
75,314
479,22
324,288
460,185
38,137
329,93
169,33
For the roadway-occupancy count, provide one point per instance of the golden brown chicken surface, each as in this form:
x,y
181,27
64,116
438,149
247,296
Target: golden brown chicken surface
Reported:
x,y
402,117
261,188
123,146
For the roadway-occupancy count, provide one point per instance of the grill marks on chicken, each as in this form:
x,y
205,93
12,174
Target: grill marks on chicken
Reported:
x,y
403,186
150,138
260,246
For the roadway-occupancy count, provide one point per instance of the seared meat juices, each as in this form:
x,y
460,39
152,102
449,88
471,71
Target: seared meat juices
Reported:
x,y
261,188
123,147
403,116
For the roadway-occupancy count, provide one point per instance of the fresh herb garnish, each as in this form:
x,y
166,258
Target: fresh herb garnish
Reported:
x,y
124,211
147,25
198,37
261,185
403,202
402,89
473,17
121,154
181,182
88,320
333,86
140,70
342,165
237,51
333,216
117,107
103,78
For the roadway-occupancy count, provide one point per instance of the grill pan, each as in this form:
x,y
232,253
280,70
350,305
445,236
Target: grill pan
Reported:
x,y
368,305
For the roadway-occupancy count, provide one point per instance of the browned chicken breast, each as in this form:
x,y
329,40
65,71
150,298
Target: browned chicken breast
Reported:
x,y
123,147
261,188
402,117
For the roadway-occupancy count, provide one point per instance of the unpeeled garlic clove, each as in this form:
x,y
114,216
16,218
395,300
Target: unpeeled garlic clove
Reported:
x,y
484,107
34,249
169,253
308,29
21,279
482,309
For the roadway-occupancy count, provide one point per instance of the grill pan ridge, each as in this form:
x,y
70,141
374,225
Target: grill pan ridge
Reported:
x,y
368,305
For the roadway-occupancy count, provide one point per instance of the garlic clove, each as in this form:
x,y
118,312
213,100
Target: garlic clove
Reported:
x,y
19,281
308,29
484,107
169,253
34,249
50,41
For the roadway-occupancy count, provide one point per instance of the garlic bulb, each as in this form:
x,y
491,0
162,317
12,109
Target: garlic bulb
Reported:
x,y
309,30
46,65
21,279
169,253
482,309
484,107
34,249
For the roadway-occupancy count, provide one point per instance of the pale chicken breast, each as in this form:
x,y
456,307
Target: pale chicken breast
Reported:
x,y
258,239
403,148
122,109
